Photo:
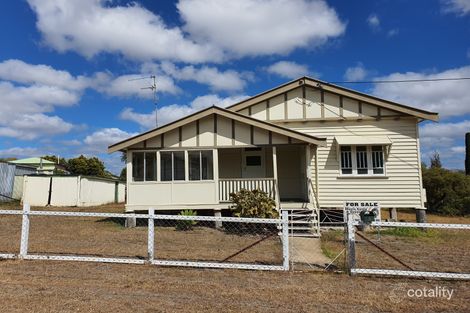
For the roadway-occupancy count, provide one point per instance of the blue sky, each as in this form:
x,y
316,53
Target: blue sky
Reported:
x,y
66,66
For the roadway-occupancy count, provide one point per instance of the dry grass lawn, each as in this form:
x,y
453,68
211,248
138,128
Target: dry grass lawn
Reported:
x,y
52,286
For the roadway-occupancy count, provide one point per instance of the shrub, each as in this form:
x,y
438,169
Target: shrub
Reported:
x,y
186,225
254,203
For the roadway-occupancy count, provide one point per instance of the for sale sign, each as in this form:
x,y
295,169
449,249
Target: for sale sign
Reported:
x,y
362,211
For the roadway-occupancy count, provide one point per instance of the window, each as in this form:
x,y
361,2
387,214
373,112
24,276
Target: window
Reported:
x,y
362,160
377,160
346,160
253,160
172,165
144,166
200,165
138,166
166,166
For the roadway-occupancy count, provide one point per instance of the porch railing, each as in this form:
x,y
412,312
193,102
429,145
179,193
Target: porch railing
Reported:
x,y
231,185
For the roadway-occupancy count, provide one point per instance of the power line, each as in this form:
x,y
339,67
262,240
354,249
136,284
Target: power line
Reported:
x,y
400,81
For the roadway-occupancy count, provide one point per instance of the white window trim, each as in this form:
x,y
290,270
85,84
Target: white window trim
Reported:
x,y
200,166
370,169
186,166
145,165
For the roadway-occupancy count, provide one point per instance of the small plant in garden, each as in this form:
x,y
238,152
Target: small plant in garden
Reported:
x,y
186,225
254,203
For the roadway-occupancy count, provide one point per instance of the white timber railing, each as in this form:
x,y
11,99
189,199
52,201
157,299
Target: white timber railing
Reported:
x,y
232,185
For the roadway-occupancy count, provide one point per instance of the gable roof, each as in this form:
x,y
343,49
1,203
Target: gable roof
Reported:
x,y
221,112
318,84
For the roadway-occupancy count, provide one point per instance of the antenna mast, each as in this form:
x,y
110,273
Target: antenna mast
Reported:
x,y
153,88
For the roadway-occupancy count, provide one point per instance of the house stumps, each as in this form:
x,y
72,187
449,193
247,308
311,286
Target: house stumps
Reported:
x,y
130,222
393,216
218,213
420,215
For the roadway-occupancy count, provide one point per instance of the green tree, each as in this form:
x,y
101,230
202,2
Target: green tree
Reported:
x,y
448,192
87,166
53,158
436,160
123,175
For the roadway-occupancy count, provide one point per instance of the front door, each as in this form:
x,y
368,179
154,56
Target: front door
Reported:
x,y
253,163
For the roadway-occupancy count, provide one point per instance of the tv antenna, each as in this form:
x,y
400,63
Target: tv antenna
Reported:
x,y
153,88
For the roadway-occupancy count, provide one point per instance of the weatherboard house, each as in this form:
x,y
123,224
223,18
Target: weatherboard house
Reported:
x,y
309,144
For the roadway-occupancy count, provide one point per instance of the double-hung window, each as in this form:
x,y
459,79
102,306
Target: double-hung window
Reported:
x,y
144,166
362,160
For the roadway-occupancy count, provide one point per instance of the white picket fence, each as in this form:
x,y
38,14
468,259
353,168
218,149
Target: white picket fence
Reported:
x,y
281,226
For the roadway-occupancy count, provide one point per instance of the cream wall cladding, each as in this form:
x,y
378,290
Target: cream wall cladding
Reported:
x,y
214,131
306,102
401,186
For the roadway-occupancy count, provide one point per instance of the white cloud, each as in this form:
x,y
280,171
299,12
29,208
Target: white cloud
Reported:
x,y
260,27
31,126
19,71
212,31
131,85
458,149
288,69
18,152
458,7
393,32
374,22
444,131
228,80
99,141
448,98
92,26
356,73
24,107
173,112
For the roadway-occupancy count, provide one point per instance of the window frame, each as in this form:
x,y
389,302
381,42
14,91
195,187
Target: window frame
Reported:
x,y
172,153
186,167
144,166
370,166
200,166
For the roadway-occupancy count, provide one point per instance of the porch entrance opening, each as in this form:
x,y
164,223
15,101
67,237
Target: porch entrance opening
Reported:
x,y
291,173
253,168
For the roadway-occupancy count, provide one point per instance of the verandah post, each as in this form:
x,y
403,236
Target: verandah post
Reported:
x,y
151,236
24,232
285,240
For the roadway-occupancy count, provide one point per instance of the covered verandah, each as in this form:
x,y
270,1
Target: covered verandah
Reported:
x,y
198,161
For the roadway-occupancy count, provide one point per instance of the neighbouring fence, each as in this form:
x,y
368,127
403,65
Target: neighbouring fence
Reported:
x,y
11,181
169,240
426,250
71,191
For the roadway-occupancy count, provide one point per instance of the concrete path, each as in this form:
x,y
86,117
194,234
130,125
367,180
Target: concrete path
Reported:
x,y
307,250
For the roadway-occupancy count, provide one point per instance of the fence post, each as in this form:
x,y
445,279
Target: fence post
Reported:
x,y
151,236
351,242
24,232
285,240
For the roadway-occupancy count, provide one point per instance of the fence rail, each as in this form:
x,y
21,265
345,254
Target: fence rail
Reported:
x,y
451,260
169,240
233,185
